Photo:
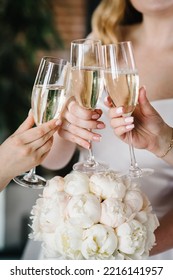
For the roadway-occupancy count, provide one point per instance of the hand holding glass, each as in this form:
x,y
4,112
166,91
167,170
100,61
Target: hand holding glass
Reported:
x,y
122,84
47,102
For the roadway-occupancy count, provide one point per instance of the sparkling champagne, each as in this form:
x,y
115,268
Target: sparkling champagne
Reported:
x,y
123,88
87,85
47,102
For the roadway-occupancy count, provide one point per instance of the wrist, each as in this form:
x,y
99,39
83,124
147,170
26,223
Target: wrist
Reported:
x,y
4,178
4,182
164,143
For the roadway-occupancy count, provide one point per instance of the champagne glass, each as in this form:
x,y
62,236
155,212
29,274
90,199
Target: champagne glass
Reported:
x,y
48,100
87,86
122,84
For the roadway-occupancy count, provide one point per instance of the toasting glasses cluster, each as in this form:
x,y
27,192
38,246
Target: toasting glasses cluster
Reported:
x,y
92,67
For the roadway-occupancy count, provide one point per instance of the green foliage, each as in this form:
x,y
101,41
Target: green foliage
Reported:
x,y
26,27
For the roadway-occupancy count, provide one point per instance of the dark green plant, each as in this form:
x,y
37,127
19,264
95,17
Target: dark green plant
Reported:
x,y
26,27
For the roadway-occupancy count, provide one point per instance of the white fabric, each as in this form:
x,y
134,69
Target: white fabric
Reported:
x,y
159,186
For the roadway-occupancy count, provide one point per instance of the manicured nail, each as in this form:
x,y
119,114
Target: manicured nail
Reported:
x,y
119,110
87,146
95,116
98,111
58,122
130,126
129,119
100,125
96,138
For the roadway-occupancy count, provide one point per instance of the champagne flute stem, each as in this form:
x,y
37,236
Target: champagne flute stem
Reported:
x,y
91,161
32,172
134,170
30,176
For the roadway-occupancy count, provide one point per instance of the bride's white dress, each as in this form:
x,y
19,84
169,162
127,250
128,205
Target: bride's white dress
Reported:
x,y
159,186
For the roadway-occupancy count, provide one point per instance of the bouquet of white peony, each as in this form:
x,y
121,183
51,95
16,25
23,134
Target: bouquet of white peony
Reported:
x,y
103,216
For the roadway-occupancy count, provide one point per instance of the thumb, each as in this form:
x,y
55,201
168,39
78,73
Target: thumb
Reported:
x,y
27,124
145,106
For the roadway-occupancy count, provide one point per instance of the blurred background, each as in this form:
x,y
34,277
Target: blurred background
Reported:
x,y
30,29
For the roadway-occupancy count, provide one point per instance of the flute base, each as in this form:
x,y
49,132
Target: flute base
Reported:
x,y
33,182
90,168
138,172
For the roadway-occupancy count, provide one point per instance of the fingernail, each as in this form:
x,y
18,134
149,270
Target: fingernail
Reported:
x,y
95,116
96,138
98,111
100,125
87,146
129,119
130,126
119,110
58,122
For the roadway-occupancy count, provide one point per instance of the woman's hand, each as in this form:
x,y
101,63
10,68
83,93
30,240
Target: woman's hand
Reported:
x,y
26,148
78,123
149,131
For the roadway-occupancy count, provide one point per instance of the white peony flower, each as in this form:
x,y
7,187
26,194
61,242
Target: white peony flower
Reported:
x,y
99,242
134,199
49,246
146,203
152,221
76,183
148,219
107,184
47,214
132,238
56,184
141,217
114,212
36,226
84,210
151,224
68,239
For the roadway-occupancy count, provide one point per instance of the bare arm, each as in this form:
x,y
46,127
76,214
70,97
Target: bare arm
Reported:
x,y
60,153
164,235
